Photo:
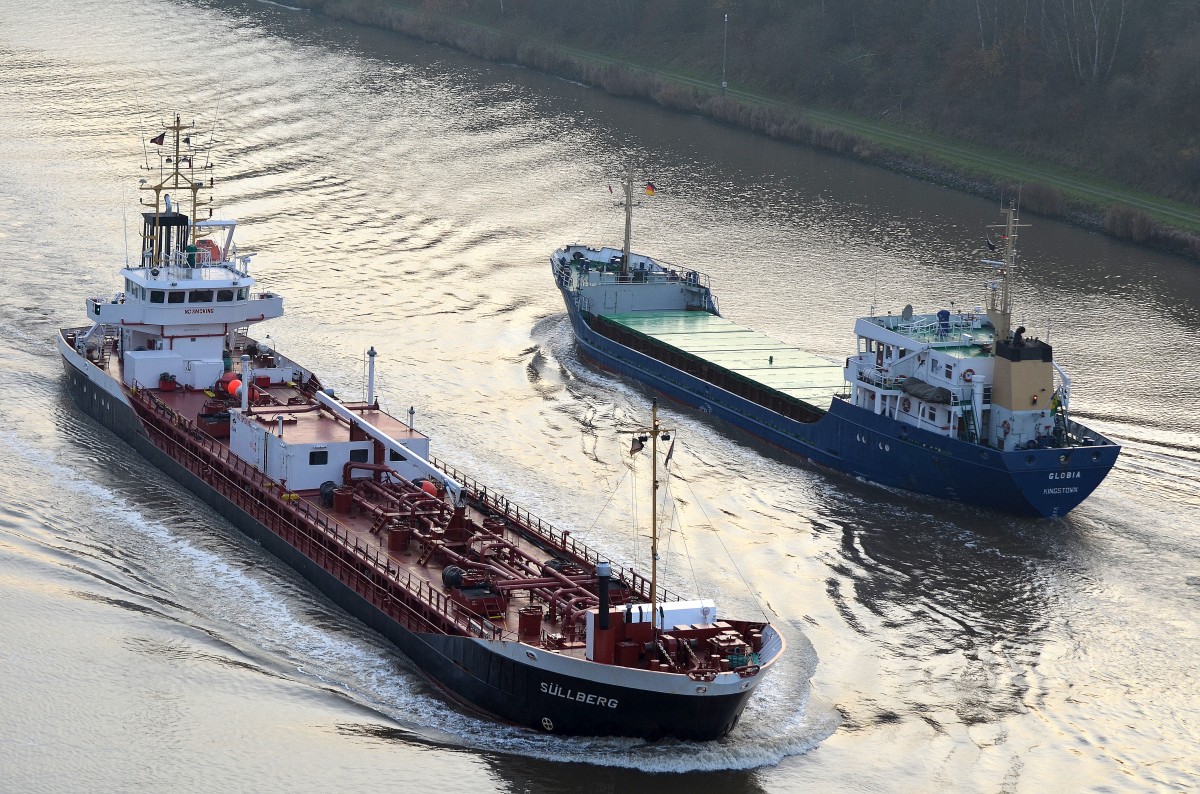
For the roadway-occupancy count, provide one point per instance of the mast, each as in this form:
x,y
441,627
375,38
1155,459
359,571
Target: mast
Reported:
x,y
177,172
653,511
628,220
655,431
1000,299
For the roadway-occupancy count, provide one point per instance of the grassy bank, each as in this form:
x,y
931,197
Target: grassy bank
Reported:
x,y
1046,188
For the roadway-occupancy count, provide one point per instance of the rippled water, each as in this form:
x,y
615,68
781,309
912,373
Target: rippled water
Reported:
x,y
402,196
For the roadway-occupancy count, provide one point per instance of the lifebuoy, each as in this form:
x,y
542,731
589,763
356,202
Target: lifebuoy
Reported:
x,y
1006,427
905,404
968,375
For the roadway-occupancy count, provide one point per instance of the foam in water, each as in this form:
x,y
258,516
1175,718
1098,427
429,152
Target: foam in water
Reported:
x,y
362,666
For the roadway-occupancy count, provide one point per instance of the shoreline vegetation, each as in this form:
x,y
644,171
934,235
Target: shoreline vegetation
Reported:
x,y
1046,188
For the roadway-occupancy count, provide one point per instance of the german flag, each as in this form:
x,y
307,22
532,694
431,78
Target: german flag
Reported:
x,y
649,188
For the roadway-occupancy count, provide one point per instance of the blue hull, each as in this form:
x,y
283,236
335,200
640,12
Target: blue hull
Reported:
x,y
1036,482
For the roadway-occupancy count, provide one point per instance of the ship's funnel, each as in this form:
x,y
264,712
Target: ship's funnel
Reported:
x,y
603,573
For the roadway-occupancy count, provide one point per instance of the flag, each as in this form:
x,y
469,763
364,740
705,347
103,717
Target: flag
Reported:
x,y
649,188
610,188
188,140
636,446
158,139
991,246
670,452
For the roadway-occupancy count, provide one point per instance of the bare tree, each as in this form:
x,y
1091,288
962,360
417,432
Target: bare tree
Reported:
x,y
1085,35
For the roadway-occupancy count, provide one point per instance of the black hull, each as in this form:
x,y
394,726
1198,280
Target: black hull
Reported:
x,y
480,674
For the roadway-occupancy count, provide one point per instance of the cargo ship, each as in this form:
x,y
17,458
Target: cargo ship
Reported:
x,y
953,404
505,613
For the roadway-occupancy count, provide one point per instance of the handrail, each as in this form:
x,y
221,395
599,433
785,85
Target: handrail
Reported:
x,y
314,526
557,538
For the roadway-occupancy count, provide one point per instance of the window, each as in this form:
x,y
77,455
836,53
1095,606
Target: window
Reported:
x,y
200,296
359,455
394,455
175,297
156,296
318,457
243,293
224,295
949,372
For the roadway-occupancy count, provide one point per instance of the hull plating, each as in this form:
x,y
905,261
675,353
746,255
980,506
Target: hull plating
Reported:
x,y
1038,482
499,679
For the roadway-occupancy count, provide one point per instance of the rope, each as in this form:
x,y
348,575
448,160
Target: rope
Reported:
x,y
732,561
682,537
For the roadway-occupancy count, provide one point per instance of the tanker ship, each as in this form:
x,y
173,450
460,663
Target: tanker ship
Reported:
x,y
954,404
506,614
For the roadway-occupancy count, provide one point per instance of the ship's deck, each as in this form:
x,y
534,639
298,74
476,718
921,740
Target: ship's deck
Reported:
x,y
356,522
748,353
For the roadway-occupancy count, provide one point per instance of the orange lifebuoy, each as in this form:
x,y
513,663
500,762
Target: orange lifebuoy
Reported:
x,y
905,405
968,375
1006,427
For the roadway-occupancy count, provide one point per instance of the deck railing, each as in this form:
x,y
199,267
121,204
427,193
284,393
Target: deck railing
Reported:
x,y
309,529
548,534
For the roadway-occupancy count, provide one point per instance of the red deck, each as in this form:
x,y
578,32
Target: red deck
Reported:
x,y
394,541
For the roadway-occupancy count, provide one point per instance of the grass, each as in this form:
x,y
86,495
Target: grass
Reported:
x,y
1049,189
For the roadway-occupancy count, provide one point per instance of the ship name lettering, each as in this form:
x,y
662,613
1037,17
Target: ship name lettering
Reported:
x,y
583,697
198,311
1053,491
1066,475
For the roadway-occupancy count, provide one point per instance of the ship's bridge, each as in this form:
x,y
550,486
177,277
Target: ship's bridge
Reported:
x,y
213,294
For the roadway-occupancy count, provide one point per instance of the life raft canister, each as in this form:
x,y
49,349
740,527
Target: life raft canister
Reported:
x,y
214,251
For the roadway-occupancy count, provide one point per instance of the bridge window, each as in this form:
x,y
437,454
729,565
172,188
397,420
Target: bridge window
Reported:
x,y
175,297
243,293
318,457
200,296
224,295
157,296
359,455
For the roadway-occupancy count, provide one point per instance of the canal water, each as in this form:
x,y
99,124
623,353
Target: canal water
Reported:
x,y
402,196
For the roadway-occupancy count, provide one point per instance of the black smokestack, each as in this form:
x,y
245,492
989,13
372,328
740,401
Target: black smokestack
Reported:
x,y
603,572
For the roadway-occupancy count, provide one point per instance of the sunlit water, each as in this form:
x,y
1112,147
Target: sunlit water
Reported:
x,y
402,196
